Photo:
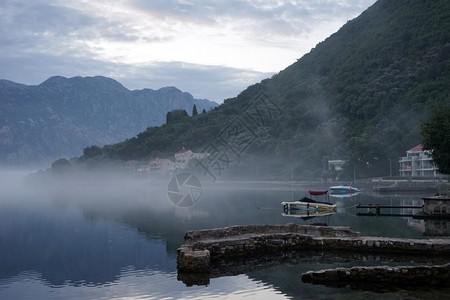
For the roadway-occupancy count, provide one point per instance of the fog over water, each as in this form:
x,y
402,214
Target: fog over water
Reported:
x,y
113,236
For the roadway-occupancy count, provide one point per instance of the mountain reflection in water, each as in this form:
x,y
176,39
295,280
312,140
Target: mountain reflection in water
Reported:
x,y
118,239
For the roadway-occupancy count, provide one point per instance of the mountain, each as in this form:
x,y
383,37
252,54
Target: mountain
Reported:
x,y
359,96
62,115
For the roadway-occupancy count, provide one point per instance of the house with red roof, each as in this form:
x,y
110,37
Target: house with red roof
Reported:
x,y
417,163
160,165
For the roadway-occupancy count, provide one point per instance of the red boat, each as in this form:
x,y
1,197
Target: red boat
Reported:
x,y
317,193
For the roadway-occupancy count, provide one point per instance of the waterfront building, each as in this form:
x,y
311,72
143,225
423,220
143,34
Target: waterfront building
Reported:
x,y
417,163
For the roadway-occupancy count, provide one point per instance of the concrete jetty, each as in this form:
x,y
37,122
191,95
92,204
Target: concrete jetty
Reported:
x,y
204,247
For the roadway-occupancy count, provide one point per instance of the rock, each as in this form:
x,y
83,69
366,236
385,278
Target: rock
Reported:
x,y
204,246
381,276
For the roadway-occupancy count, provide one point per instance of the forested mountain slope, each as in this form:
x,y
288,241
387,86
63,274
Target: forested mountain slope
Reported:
x,y
359,96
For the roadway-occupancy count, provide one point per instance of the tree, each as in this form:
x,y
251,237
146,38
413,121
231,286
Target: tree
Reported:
x,y
61,165
436,138
92,151
175,115
194,110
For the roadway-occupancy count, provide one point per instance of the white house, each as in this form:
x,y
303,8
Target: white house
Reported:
x,y
336,164
183,157
417,163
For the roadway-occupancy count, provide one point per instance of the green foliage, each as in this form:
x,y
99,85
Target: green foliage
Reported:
x,y
174,115
92,151
436,138
194,110
61,166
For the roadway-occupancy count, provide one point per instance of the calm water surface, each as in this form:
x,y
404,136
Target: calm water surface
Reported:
x,y
118,240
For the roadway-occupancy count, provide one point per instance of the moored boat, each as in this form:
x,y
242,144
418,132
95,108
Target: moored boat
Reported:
x,y
344,189
308,204
317,193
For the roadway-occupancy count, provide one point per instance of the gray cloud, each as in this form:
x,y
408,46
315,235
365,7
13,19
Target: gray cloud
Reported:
x,y
212,82
285,17
205,82
33,21
37,23
42,38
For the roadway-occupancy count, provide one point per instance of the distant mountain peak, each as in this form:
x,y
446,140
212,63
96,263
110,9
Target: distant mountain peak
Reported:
x,y
170,89
54,81
97,82
63,115
11,84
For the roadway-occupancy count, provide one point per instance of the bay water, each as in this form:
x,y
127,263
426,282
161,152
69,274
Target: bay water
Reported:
x,y
118,239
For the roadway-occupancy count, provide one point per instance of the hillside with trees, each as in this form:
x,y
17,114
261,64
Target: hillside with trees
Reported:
x,y
436,138
360,96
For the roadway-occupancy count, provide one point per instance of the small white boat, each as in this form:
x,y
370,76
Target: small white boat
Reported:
x,y
344,189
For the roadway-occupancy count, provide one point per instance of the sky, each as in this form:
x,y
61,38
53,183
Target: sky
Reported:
x,y
212,49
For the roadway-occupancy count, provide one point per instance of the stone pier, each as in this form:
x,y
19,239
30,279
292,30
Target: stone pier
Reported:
x,y
438,205
381,276
203,247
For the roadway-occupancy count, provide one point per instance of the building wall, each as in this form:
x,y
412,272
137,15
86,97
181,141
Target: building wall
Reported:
x,y
417,164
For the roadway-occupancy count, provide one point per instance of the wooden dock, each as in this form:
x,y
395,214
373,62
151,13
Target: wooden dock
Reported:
x,y
378,207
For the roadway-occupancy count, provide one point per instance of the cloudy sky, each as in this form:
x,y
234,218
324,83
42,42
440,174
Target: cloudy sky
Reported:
x,y
211,48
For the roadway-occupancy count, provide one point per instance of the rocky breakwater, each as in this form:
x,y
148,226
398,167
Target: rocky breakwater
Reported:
x,y
203,247
381,276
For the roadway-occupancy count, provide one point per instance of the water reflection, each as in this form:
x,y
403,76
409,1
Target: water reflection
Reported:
x,y
345,196
68,249
437,227
118,239
429,226
317,217
286,279
319,260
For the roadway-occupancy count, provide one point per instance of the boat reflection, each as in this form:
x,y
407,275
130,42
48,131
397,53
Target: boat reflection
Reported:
x,y
308,214
347,195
